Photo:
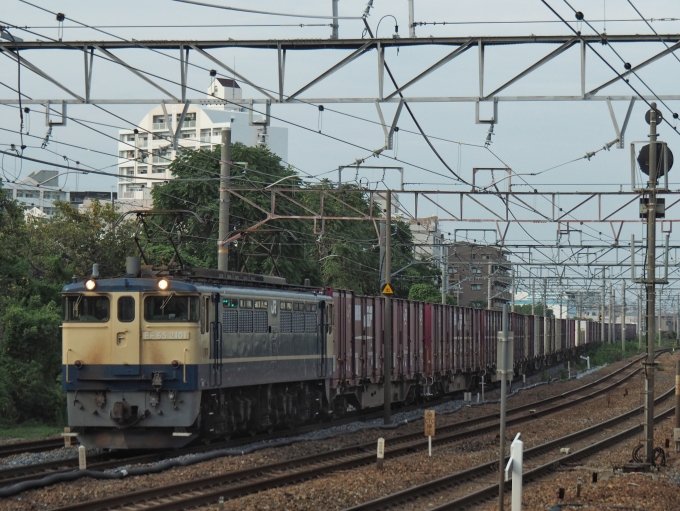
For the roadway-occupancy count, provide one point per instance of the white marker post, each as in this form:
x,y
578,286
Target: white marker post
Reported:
x,y
515,465
82,458
429,429
381,452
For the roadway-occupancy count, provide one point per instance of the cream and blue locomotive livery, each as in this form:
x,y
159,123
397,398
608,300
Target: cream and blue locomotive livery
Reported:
x,y
154,360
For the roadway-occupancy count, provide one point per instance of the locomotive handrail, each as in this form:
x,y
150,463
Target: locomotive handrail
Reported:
x,y
67,350
184,366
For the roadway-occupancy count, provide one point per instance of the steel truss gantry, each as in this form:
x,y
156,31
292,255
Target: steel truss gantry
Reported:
x,y
357,48
476,206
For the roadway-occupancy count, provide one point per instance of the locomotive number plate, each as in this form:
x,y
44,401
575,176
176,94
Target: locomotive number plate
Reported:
x,y
166,335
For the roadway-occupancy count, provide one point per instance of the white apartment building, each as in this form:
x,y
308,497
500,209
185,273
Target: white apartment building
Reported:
x,y
146,152
38,192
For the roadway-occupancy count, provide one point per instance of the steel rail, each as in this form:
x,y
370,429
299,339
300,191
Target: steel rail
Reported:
x,y
31,446
244,482
448,482
13,475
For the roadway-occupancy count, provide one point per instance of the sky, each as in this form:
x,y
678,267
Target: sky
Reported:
x,y
529,137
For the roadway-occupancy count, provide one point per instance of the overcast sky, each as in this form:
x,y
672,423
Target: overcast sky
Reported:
x,y
529,136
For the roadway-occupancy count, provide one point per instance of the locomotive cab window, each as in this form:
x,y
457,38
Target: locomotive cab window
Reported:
x,y
171,308
86,308
126,309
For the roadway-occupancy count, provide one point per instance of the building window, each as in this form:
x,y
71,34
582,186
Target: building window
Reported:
x,y
474,256
205,135
162,135
142,170
188,134
476,271
476,287
217,132
189,120
159,122
143,141
159,170
130,154
161,155
127,171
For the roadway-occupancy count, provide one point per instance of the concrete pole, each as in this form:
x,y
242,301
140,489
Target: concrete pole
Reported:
x,y
504,346
650,287
382,255
444,277
612,314
602,308
387,351
225,199
578,319
639,325
533,297
545,297
411,27
336,26
512,291
623,316
488,290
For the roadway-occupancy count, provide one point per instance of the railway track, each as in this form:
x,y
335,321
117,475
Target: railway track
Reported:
x,y
427,490
106,461
240,483
47,444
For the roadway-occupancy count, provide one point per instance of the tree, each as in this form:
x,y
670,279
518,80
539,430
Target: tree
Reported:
x,y
428,293
538,309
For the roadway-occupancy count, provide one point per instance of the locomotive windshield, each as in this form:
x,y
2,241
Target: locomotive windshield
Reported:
x,y
86,308
171,308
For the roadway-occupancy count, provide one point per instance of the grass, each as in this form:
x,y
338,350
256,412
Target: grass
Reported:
x,y
29,430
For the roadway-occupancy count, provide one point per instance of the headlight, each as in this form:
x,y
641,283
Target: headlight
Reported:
x,y
90,284
163,284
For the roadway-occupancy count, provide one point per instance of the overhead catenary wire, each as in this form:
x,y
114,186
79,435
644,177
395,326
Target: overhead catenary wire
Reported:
x,y
269,13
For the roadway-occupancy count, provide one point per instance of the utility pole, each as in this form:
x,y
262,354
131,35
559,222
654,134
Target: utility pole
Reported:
x,y
387,350
382,255
623,316
411,26
336,26
650,288
533,297
225,199
545,297
445,275
488,290
602,310
639,325
512,290
578,318
504,368
612,312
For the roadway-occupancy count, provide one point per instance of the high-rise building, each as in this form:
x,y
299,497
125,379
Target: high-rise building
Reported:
x,y
477,270
146,152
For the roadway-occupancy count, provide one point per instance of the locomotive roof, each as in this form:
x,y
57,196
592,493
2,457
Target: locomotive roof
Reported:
x,y
141,285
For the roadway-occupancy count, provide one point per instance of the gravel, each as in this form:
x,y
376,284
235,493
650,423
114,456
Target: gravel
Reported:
x,y
340,490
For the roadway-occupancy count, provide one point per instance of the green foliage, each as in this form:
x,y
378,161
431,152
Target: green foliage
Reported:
x,y
478,304
37,257
538,309
428,293
337,253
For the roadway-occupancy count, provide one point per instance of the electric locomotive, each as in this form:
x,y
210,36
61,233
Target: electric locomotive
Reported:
x,y
157,359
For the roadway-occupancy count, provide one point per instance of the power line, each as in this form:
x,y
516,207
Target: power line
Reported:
x,y
252,11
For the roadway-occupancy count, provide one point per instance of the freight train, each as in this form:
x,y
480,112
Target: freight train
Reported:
x,y
159,359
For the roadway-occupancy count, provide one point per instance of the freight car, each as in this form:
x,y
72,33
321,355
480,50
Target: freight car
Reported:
x,y
158,359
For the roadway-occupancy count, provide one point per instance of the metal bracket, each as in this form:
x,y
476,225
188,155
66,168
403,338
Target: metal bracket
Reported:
x,y
49,122
267,116
493,120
